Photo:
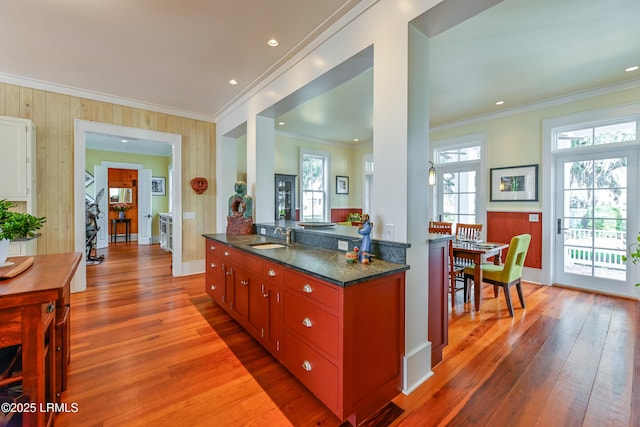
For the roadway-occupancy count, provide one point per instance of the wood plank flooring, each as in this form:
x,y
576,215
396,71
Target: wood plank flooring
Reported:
x,y
148,349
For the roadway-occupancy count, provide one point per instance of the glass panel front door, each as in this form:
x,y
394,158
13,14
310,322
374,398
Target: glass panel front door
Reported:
x,y
592,215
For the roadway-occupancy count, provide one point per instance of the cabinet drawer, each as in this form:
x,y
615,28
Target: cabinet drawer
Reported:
x,y
317,326
214,268
314,371
273,271
215,248
324,293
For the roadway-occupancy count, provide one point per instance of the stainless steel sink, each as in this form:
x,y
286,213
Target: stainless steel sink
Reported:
x,y
267,245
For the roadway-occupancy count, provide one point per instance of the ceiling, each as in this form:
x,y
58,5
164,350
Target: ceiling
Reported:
x,y
180,56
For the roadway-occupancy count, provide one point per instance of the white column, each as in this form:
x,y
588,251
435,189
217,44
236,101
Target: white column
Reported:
x,y
418,356
264,199
401,132
227,166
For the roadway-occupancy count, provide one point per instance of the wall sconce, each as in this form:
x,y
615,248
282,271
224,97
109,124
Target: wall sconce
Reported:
x,y
432,175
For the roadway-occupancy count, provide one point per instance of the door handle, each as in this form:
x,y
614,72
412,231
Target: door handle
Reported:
x,y
559,228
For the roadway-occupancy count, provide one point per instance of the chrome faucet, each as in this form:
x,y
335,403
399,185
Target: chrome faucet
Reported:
x,y
285,233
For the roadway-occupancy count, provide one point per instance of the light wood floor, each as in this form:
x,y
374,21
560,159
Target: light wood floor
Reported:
x,y
149,349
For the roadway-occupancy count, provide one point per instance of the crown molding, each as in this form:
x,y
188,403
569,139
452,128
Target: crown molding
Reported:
x,y
551,102
351,146
98,96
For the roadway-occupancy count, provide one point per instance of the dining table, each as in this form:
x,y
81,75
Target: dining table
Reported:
x,y
478,252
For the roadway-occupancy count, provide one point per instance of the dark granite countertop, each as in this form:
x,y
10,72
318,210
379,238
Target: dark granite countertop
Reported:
x,y
436,237
341,231
322,263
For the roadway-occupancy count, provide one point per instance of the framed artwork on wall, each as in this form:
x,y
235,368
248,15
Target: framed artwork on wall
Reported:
x,y
342,184
158,186
514,183
88,179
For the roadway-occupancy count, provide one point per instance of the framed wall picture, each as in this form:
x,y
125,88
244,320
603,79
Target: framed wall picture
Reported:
x,y
342,184
514,183
88,179
158,186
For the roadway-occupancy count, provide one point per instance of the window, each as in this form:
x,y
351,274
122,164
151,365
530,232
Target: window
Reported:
x,y
368,182
458,165
315,184
596,135
459,196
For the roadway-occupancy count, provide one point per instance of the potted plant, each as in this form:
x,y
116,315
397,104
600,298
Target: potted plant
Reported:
x,y
634,253
120,208
354,218
15,226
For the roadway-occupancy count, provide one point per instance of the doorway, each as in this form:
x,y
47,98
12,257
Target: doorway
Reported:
x,y
594,203
82,127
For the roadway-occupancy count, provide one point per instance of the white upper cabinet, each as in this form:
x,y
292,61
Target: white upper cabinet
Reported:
x,y
17,148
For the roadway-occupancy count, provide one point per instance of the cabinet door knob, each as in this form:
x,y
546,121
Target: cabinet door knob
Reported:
x,y
213,248
271,273
213,265
306,365
244,282
226,253
307,288
213,287
307,322
265,295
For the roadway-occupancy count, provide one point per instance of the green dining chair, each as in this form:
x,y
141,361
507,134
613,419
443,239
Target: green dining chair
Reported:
x,y
507,274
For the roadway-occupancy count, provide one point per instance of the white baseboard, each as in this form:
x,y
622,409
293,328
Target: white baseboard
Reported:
x,y
533,275
193,267
416,367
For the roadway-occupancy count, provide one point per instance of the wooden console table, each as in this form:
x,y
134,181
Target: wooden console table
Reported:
x,y
114,228
34,309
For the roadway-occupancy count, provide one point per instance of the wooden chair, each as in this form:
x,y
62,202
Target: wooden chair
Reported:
x,y
468,231
508,274
455,272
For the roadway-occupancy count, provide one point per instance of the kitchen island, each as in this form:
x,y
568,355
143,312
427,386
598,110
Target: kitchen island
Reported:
x,y
338,327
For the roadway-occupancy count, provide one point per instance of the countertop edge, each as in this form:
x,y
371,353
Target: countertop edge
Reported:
x,y
398,268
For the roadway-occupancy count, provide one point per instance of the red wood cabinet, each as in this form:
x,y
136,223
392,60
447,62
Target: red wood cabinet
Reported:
x,y
248,288
438,298
345,344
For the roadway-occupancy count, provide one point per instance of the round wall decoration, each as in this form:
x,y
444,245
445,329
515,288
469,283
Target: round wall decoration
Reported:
x,y
199,185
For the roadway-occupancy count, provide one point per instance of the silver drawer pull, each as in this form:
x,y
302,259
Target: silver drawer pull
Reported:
x,y
307,322
307,288
306,365
226,253
213,265
271,272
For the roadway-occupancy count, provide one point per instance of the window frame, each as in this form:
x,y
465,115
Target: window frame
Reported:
x,y
325,191
477,165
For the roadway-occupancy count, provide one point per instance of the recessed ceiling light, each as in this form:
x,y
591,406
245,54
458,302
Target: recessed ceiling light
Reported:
x,y
632,68
499,102
273,42
123,140
233,82
281,123
355,140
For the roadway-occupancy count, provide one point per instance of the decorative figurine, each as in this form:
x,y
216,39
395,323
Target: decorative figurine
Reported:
x,y
351,256
364,229
199,185
240,219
